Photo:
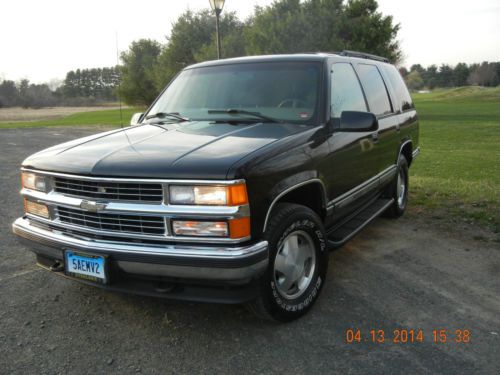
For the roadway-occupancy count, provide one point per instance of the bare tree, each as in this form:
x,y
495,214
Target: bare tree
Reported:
x,y
483,75
55,83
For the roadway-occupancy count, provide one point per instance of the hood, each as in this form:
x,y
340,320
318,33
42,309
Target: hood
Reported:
x,y
201,149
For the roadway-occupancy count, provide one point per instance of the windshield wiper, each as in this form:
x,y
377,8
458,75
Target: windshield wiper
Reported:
x,y
174,115
234,111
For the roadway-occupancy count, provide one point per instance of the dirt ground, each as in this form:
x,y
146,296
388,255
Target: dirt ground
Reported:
x,y
18,114
420,272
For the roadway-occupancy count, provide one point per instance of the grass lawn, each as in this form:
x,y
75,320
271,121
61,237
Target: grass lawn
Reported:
x,y
458,171
101,117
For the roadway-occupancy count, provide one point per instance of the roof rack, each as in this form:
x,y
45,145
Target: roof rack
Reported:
x,y
363,55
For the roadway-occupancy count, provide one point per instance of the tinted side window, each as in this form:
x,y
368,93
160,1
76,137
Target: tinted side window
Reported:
x,y
399,87
346,92
375,90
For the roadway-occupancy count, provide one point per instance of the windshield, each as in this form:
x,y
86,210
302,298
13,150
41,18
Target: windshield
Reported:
x,y
286,91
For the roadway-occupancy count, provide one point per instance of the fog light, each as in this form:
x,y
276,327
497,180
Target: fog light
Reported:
x,y
200,228
36,209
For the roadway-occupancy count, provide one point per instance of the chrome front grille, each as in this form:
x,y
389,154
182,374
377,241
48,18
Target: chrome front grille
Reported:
x,y
152,225
125,209
124,191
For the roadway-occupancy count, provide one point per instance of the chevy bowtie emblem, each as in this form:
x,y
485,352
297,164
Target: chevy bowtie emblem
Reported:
x,y
92,206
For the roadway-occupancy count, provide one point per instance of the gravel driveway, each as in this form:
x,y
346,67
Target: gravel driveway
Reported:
x,y
413,273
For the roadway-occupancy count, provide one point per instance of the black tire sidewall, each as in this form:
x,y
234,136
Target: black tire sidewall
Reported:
x,y
278,306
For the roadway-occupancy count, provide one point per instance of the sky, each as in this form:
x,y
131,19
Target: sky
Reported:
x,y
43,39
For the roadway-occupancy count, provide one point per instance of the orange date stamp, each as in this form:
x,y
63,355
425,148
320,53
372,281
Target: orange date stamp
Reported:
x,y
406,336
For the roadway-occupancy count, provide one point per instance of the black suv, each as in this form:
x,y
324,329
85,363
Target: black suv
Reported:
x,y
234,184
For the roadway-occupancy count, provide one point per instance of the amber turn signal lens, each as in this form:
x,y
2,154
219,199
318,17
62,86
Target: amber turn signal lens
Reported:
x,y
239,228
237,195
36,209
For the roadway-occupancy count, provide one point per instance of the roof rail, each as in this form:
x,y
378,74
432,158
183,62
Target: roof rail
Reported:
x,y
363,55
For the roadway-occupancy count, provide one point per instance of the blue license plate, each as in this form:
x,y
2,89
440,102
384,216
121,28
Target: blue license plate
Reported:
x,y
86,266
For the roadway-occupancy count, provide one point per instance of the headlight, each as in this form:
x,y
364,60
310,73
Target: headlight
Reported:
x,y
230,195
33,181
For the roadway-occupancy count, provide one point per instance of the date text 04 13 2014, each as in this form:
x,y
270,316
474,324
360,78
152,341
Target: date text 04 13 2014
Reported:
x,y
404,336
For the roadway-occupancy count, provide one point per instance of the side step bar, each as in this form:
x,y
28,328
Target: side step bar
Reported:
x,y
349,228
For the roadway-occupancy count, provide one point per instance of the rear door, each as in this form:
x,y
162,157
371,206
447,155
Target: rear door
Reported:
x,y
404,109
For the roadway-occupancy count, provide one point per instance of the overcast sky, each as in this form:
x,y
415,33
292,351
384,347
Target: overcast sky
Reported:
x,y
43,39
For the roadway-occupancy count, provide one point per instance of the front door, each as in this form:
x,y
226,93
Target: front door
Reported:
x,y
352,163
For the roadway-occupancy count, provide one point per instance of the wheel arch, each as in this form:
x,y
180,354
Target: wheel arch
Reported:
x,y
406,149
310,193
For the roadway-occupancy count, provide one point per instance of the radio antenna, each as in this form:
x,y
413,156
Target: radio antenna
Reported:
x,y
119,80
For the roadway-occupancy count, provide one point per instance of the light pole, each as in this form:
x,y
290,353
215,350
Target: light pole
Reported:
x,y
217,6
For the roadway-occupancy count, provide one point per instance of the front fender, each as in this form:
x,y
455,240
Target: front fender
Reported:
x,y
288,185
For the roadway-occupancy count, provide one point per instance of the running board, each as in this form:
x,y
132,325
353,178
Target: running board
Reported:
x,y
345,231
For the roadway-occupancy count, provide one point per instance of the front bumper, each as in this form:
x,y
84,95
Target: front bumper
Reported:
x,y
192,272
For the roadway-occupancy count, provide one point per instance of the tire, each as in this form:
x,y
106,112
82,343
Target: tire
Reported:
x,y
399,190
298,261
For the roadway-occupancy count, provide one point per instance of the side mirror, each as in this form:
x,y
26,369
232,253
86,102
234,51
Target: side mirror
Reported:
x,y
353,121
136,119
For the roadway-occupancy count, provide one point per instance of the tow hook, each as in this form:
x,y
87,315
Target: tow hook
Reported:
x,y
57,267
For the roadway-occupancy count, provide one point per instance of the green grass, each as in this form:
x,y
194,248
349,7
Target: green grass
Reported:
x,y
104,117
458,170
461,94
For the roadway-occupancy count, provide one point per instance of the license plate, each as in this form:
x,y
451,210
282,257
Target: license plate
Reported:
x,y
86,266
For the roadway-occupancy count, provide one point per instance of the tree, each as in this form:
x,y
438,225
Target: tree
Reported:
x,y
461,73
33,95
483,75
9,95
54,84
281,27
189,33
429,76
96,83
39,96
365,29
496,81
232,40
445,77
418,68
290,26
414,81
138,75
22,88
192,39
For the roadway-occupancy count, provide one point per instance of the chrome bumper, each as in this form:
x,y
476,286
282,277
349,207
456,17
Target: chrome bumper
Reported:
x,y
194,262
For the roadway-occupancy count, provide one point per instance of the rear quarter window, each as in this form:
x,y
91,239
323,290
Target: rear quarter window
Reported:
x,y
398,87
375,90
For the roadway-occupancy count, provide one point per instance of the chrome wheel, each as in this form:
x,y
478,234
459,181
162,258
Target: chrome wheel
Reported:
x,y
294,264
401,188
